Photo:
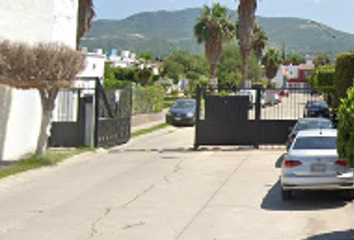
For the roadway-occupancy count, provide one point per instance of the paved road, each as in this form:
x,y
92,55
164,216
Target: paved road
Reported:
x,y
156,188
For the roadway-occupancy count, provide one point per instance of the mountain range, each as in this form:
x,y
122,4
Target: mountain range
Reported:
x,y
162,32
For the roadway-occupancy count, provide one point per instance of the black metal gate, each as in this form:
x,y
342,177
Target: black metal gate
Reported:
x,y
250,117
92,116
114,108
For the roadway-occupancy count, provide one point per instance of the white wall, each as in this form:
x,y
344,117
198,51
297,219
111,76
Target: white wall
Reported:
x,y
30,21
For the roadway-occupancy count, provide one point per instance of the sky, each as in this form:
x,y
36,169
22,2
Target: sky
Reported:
x,y
338,14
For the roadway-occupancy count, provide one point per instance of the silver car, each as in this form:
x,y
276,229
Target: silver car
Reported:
x,y
312,164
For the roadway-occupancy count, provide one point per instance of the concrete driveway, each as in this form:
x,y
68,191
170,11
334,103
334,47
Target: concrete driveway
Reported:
x,y
157,188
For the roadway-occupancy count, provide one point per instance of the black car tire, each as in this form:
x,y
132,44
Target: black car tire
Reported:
x,y
286,194
350,194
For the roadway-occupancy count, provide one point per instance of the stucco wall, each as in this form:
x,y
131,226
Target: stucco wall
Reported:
x,y
30,21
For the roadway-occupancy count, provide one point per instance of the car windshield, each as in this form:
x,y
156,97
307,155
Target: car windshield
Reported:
x,y
303,125
318,105
183,104
315,143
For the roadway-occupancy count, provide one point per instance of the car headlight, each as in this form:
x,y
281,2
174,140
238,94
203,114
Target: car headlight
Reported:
x,y
190,114
168,113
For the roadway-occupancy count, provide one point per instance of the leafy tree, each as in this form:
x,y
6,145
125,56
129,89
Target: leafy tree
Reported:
x,y
246,21
296,59
47,67
179,64
271,61
146,56
229,70
345,140
214,27
143,76
322,59
260,39
344,75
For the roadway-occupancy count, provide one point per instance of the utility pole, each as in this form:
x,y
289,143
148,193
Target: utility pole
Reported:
x,y
322,28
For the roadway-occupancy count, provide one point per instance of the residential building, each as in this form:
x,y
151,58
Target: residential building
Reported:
x,y
293,76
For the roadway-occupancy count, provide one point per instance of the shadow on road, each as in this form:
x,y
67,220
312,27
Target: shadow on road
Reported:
x,y
303,200
342,235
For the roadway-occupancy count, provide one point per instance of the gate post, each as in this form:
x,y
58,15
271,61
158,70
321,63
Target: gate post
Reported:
x,y
257,128
197,116
97,112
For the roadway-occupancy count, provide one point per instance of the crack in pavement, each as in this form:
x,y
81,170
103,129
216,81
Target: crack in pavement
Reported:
x,y
210,199
176,169
141,223
94,229
138,196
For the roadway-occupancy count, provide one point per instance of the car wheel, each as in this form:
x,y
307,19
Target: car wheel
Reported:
x,y
350,194
286,194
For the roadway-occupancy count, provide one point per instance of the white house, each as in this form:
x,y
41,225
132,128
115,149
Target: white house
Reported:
x,y
31,22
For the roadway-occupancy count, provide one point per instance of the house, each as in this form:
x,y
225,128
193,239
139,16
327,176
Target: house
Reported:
x,y
30,22
125,59
293,76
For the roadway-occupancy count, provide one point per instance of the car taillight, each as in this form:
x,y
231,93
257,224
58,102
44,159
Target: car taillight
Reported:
x,y
342,163
291,163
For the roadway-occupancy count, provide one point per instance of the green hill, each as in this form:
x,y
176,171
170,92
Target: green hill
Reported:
x,y
163,32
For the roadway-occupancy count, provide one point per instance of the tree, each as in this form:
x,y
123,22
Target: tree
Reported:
x,y
322,59
271,61
296,59
214,27
85,17
246,21
47,67
179,64
260,39
144,75
343,76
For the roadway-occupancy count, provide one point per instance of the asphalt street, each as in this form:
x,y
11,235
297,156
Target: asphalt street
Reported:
x,y
157,188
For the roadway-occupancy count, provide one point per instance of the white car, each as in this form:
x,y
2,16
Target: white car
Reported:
x,y
312,163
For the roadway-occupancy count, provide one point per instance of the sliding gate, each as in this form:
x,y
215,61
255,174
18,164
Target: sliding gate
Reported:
x,y
250,117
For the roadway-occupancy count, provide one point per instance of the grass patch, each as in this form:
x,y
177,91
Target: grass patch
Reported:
x,y
51,158
149,130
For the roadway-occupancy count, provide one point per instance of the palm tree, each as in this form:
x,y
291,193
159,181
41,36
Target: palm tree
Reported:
x,y
246,21
214,27
271,61
260,39
85,16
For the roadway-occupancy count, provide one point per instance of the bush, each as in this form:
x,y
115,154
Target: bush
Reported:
x,y
345,140
344,75
322,79
148,99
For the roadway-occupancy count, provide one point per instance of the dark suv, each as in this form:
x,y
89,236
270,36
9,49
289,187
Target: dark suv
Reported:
x,y
316,109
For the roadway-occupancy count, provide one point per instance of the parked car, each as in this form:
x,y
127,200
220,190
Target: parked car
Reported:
x,y
284,93
182,112
307,124
272,97
312,163
316,109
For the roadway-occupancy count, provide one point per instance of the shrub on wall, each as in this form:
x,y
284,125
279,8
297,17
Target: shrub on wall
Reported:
x,y
344,74
345,140
148,99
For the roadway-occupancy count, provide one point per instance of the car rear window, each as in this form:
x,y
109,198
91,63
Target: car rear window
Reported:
x,y
315,143
313,124
183,104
